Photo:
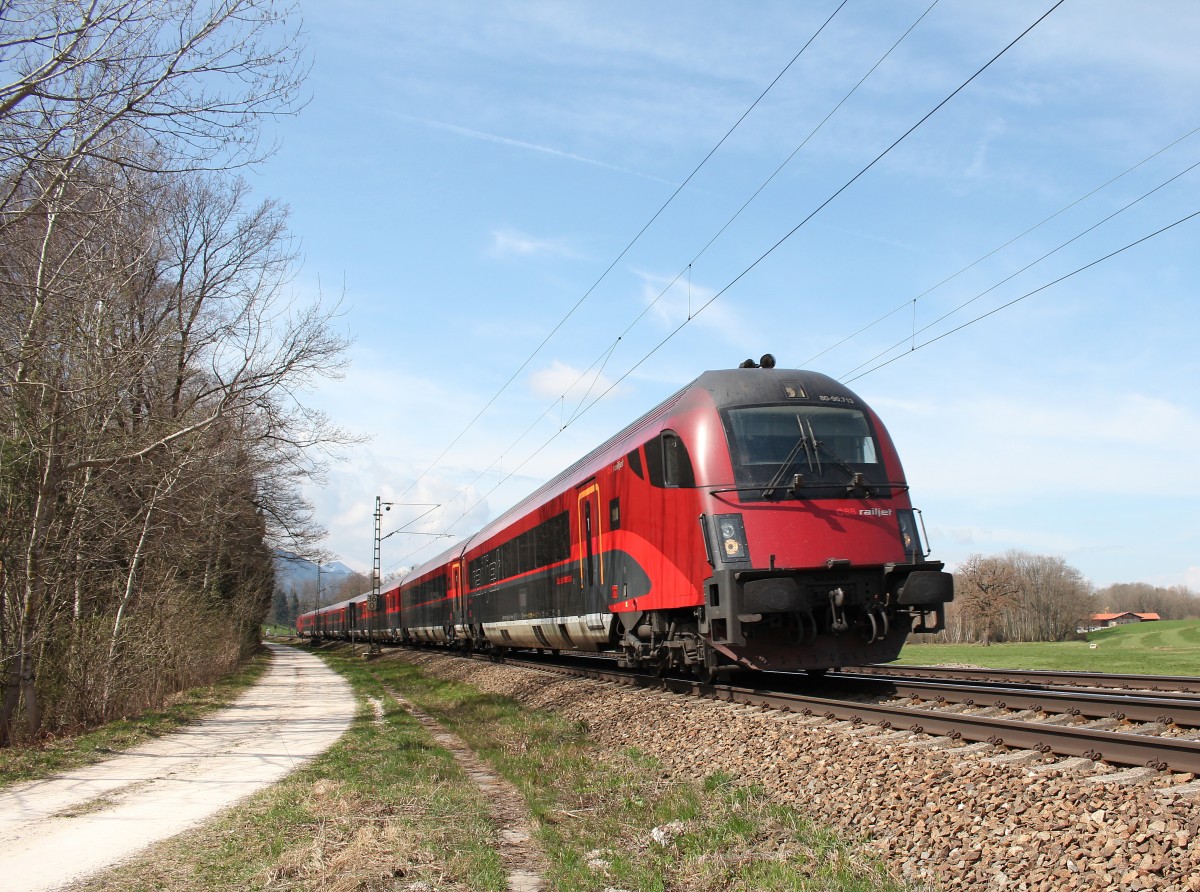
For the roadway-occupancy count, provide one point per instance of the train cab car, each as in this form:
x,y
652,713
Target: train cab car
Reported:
x,y
814,547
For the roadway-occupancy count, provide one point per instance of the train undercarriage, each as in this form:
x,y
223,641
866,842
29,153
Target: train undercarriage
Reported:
x,y
784,620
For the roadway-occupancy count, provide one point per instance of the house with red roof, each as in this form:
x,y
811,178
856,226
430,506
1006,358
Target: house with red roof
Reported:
x,y
1106,620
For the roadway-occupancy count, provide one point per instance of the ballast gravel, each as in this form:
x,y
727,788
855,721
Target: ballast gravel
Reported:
x,y
942,814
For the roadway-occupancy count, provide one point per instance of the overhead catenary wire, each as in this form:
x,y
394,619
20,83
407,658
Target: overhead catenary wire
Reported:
x,y
912,301
504,387
1028,294
1027,267
828,200
688,269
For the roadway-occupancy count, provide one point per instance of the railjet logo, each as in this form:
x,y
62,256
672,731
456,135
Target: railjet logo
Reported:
x,y
866,512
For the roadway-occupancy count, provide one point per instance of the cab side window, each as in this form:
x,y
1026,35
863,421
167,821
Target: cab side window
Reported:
x,y
668,463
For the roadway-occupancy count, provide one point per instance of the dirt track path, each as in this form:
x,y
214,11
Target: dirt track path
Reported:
x,y
56,831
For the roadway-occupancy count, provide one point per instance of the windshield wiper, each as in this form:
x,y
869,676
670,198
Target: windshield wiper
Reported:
x,y
807,442
858,482
810,450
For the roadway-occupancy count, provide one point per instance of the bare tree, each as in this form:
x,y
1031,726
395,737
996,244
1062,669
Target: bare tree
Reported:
x,y
354,585
145,84
149,353
986,590
1054,598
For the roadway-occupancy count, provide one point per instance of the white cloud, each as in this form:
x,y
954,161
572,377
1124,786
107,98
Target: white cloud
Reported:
x,y
678,301
511,243
573,385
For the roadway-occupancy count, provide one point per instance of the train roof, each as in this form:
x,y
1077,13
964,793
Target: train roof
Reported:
x,y
741,387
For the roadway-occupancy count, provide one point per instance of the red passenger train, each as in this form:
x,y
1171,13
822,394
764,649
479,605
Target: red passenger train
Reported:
x,y
758,518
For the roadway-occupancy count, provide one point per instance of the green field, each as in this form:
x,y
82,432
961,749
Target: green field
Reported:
x,y
1167,647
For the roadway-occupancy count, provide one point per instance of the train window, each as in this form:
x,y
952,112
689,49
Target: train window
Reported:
x,y
668,463
553,540
635,462
677,466
547,543
824,445
654,462
429,590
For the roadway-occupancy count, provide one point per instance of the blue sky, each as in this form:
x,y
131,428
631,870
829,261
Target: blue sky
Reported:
x,y
466,174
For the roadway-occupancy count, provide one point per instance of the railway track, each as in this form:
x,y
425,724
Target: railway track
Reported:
x,y
1179,710
1119,727
1032,677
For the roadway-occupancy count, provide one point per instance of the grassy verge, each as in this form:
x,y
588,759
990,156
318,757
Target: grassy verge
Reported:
x,y
1166,647
275,630
386,808
615,820
63,753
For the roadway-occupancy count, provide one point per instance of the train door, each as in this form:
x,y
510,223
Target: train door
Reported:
x,y
460,615
591,546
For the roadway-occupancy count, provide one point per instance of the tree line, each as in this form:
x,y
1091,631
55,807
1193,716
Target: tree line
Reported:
x,y
1018,596
152,445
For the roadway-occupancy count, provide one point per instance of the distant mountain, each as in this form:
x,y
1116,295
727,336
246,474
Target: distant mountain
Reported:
x,y
301,575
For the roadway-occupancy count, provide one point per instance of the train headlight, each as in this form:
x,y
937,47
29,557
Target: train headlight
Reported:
x,y
731,537
910,535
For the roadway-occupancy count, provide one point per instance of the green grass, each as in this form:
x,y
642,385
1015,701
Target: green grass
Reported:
x,y
594,810
1165,647
63,753
277,630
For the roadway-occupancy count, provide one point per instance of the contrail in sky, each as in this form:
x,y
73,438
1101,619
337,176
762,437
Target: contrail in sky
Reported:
x,y
533,147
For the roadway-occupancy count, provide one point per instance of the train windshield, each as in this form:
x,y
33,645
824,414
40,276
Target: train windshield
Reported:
x,y
832,451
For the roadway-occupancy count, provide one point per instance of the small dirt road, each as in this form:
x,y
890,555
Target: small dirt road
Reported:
x,y
56,831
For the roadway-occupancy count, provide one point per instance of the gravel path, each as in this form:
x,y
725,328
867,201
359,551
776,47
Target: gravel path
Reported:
x,y
957,817
56,831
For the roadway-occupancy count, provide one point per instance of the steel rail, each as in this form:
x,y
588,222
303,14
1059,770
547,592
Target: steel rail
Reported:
x,y
1183,683
1110,746
1160,753
1133,707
